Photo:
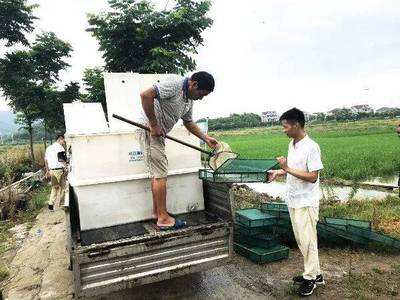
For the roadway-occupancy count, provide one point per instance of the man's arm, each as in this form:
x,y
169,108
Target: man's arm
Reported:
x,y
306,176
147,98
193,128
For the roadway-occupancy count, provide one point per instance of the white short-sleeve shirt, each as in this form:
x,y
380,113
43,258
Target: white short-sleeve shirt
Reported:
x,y
304,156
52,156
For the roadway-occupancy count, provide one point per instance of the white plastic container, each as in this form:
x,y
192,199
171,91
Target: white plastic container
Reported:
x,y
107,169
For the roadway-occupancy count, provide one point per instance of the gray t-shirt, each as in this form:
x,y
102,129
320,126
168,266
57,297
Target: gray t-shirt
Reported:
x,y
172,103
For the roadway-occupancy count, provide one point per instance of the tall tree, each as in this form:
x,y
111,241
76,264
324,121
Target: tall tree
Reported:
x,y
16,19
48,53
27,79
94,85
136,37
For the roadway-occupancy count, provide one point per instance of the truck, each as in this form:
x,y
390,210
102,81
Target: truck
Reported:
x,y
112,240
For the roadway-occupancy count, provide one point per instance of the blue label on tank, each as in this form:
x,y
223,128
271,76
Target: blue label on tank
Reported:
x,y
135,156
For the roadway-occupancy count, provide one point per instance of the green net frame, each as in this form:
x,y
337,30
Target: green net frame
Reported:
x,y
240,171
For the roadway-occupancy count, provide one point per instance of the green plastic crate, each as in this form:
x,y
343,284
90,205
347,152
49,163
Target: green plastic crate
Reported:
x,y
329,238
373,236
262,240
342,233
240,170
342,223
280,214
275,206
262,255
254,217
240,228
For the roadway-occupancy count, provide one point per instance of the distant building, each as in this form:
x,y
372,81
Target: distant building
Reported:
x,y
309,116
363,108
384,110
269,116
333,111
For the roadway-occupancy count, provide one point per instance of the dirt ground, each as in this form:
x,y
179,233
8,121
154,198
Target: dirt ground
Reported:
x,y
38,269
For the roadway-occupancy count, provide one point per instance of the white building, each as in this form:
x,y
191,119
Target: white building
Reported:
x,y
269,116
363,108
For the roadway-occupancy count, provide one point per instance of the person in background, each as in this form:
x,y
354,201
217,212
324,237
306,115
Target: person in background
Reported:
x,y
302,167
55,169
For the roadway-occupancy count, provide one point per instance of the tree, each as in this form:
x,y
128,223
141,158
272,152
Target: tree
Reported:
x,y
94,85
48,53
27,79
343,114
54,113
135,37
16,18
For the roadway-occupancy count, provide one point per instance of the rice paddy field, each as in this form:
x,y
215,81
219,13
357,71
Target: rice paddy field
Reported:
x,y
351,151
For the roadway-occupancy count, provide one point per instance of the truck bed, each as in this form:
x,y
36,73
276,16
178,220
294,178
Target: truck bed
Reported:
x,y
144,229
123,256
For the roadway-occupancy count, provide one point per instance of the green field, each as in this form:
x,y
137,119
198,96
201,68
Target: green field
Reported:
x,y
351,151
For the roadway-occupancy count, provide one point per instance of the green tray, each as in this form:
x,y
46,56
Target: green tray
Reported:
x,y
262,255
329,238
239,171
342,223
278,209
241,229
373,236
262,240
275,206
254,217
344,234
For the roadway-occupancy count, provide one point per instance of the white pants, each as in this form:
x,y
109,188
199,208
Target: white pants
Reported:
x,y
304,222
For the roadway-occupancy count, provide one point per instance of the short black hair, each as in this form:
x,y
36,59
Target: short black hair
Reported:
x,y
204,80
294,115
60,135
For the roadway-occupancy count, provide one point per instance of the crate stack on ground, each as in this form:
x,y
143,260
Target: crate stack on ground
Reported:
x,y
260,233
256,237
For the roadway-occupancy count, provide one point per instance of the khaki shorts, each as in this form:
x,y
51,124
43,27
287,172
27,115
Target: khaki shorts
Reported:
x,y
154,154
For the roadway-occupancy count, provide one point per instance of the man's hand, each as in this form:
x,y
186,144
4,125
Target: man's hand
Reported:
x,y
282,162
156,131
271,175
210,141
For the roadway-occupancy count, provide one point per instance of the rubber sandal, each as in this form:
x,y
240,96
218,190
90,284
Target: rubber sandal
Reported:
x,y
154,218
179,224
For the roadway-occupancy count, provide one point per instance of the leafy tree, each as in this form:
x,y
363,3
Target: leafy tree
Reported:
x,y
27,79
16,18
136,37
94,84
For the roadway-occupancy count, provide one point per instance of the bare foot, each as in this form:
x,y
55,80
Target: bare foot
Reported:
x,y
166,221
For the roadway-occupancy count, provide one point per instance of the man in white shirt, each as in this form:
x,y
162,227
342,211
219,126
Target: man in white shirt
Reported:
x,y
55,165
303,193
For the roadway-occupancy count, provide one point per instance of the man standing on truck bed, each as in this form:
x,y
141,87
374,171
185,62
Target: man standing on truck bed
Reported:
x,y
164,104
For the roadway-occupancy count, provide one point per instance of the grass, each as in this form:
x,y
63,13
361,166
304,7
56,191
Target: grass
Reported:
x,y
373,285
15,160
351,151
384,214
4,272
39,199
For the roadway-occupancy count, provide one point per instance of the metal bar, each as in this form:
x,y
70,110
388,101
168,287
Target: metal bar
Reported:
x,y
166,136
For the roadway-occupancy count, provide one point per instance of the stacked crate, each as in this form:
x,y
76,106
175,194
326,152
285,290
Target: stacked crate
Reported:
x,y
256,237
260,233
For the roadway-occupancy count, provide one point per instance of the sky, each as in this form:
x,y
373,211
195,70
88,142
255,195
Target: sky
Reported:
x,y
271,54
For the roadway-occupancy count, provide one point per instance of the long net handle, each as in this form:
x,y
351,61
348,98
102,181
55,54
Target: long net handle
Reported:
x,y
166,136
